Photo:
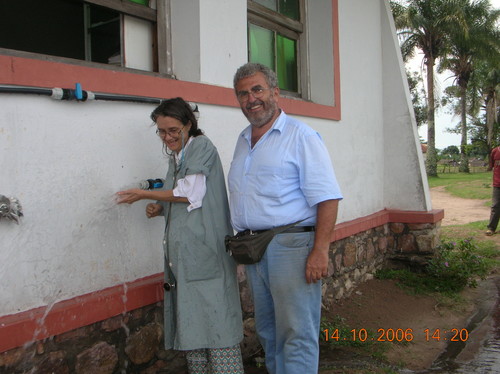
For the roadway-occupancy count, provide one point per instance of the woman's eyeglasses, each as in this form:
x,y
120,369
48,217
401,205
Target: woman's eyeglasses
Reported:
x,y
171,132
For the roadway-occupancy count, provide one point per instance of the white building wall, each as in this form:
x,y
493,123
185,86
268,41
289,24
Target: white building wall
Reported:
x,y
64,160
405,177
359,137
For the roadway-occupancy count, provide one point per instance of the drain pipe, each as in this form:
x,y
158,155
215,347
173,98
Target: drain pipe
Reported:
x,y
81,95
77,94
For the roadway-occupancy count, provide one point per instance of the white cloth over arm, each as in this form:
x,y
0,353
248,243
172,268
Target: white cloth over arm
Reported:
x,y
193,187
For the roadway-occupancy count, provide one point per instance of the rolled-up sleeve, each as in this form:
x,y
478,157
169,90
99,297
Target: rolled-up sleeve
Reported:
x,y
193,187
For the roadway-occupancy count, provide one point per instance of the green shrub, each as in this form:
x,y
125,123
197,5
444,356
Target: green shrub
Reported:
x,y
456,265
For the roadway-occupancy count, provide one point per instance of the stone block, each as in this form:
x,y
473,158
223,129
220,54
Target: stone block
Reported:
x,y
356,274
114,323
101,358
382,243
348,285
349,255
250,345
370,251
339,294
142,345
74,335
427,243
338,262
137,314
407,243
53,363
331,268
40,348
12,358
397,228
390,243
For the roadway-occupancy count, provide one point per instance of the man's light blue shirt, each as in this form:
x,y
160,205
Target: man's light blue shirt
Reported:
x,y
282,178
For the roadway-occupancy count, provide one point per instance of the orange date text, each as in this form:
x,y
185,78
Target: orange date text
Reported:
x,y
395,335
362,335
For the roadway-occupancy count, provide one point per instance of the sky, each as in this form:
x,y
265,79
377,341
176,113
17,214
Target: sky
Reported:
x,y
443,120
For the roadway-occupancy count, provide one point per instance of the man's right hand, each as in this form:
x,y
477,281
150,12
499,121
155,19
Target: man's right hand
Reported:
x,y
153,210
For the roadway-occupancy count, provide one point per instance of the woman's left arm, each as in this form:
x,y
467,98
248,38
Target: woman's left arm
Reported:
x,y
136,194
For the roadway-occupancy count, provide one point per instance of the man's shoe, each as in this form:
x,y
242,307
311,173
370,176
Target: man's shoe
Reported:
x,y
489,233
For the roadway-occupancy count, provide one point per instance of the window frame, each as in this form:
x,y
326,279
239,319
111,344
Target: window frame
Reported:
x,y
262,16
160,19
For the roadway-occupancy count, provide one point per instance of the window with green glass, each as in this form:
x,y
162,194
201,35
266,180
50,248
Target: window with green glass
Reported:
x,y
274,33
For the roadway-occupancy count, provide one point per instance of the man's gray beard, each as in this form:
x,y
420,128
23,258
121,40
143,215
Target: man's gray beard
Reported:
x,y
260,122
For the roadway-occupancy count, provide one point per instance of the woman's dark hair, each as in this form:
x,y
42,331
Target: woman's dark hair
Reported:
x,y
179,109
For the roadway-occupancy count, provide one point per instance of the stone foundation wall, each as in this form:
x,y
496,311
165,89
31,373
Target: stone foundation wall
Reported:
x,y
132,342
355,259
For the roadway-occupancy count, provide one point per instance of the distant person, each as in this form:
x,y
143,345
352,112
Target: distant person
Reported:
x,y
495,203
201,304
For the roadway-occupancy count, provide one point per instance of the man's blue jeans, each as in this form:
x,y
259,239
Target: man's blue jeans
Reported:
x,y
287,308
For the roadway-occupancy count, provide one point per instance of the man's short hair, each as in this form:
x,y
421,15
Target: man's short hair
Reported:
x,y
252,68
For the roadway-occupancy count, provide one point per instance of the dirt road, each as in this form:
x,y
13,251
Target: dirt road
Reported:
x,y
459,211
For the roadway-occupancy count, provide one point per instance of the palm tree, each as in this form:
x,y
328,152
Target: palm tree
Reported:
x,y
483,91
424,25
480,41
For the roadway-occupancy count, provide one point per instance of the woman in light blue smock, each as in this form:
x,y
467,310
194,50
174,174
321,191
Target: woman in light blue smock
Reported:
x,y
201,305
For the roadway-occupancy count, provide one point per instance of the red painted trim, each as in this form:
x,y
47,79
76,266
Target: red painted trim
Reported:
x,y
350,228
402,216
40,323
23,71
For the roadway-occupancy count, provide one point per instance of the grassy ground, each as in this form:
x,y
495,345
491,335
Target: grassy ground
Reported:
x,y
468,186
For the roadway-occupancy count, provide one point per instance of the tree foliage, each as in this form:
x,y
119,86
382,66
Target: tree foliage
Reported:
x,y
424,25
478,41
463,37
417,97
